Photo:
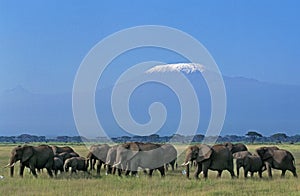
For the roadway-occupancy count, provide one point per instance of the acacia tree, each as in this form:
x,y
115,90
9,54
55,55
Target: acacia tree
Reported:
x,y
253,135
279,137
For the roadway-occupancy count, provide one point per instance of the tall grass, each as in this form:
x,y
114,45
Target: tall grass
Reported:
x,y
174,182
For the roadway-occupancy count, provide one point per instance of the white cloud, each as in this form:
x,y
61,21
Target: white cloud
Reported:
x,y
178,67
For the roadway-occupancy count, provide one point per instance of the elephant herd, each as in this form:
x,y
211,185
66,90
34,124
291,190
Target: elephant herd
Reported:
x,y
220,157
127,158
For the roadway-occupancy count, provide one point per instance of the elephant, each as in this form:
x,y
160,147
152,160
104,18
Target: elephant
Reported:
x,y
235,147
278,159
111,159
33,157
240,156
97,152
145,155
170,156
65,155
216,158
58,165
76,164
57,149
253,163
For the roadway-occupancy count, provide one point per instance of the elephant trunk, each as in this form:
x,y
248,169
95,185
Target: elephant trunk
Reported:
x,y
187,164
11,165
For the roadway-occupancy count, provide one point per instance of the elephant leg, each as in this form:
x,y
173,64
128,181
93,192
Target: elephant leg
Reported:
x,y
108,170
99,164
252,173
173,166
283,173
198,171
205,173
119,172
231,172
22,167
145,171
245,173
260,173
162,171
113,170
293,170
128,172
269,169
151,172
219,173
188,170
49,171
33,171
73,170
93,164
237,171
167,165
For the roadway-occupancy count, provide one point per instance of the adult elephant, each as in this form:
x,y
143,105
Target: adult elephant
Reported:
x,y
97,152
170,155
216,158
38,157
240,157
278,159
145,155
235,147
111,160
58,149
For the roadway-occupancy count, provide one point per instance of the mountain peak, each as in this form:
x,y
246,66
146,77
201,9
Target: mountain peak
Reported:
x,y
19,89
177,67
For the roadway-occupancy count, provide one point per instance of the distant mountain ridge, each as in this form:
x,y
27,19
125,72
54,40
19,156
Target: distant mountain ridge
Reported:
x,y
251,104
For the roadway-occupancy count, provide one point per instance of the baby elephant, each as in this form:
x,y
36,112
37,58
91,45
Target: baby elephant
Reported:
x,y
253,163
58,165
76,164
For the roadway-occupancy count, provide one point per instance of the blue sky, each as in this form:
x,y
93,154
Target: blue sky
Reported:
x,y
43,42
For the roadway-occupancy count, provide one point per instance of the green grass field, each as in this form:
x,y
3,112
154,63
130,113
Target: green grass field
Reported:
x,y
173,184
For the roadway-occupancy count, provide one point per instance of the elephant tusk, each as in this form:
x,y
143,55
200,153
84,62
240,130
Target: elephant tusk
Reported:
x,y
185,164
107,162
115,165
8,165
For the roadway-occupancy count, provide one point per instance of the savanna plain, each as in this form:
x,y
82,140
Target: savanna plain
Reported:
x,y
174,183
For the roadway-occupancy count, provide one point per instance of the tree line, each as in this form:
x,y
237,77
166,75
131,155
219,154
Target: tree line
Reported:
x,y
249,137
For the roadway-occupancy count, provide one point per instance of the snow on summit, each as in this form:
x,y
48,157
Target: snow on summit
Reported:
x,y
178,67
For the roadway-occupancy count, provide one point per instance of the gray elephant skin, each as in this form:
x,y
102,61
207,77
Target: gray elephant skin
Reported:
x,y
252,164
58,149
278,159
216,158
58,165
76,164
97,153
236,147
170,156
111,160
38,157
240,157
145,155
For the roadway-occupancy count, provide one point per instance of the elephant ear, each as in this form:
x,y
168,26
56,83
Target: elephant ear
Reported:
x,y
132,154
268,154
27,153
229,146
205,152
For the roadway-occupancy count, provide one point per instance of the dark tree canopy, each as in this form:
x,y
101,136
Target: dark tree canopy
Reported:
x,y
253,135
